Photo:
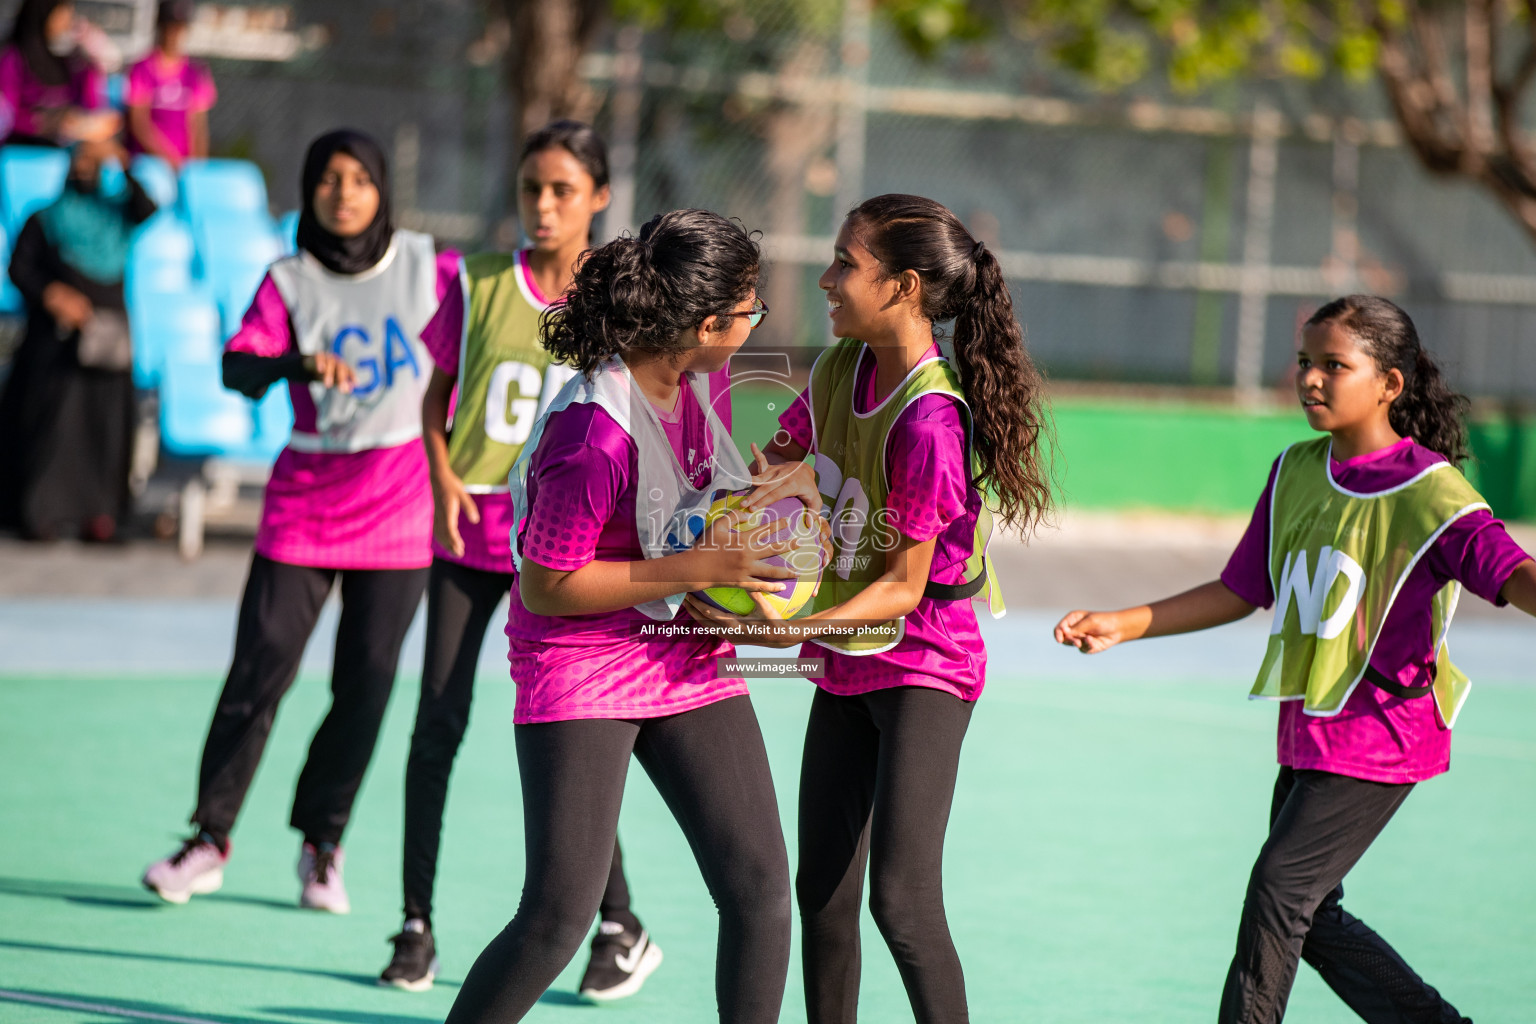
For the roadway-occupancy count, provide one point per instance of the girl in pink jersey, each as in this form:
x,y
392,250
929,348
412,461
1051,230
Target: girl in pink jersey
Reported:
x,y
895,432
487,330
169,94
650,322
340,323
51,91
1351,749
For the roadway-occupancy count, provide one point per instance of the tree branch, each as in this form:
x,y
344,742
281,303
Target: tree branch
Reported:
x,y
1415,101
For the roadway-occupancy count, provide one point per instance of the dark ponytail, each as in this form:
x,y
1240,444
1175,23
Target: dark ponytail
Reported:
x,y
641,293
1428,410
962,281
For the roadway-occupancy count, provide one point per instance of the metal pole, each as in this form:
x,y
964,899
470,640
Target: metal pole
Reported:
x,y
624,135
851,112
407,166
1258,232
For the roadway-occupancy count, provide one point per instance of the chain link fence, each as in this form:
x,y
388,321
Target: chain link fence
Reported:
x,y
1148,239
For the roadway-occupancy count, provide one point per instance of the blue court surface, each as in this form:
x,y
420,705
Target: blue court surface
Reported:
x,y
1107,814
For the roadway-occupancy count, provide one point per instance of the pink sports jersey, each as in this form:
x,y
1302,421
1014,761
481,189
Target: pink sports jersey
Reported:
x,y
360,510
930,496
173,91
1377,736
581,507
488,544
23,97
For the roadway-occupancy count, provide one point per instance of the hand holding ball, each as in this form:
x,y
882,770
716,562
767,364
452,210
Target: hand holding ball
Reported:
x,y
787,518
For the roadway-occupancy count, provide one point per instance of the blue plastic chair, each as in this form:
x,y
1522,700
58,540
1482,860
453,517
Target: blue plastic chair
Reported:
x,y
222,186
199,416
10,299
159,272
233,290
163,240
288,228
188,327
31,177
157,178
239,242
180,325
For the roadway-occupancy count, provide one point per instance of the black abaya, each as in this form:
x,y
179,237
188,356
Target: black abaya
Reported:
x,y
66,431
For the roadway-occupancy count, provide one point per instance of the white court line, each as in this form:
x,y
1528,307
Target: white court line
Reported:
x,y
101,1008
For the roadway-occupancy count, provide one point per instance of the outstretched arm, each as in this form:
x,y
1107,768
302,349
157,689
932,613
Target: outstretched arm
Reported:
x,y
1210,604
1520,589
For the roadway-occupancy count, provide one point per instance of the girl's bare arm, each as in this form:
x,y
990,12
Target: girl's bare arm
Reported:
x,y
1210,604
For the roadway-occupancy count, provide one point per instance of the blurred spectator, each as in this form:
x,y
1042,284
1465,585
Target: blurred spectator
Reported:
x,y
66,414
51,92
169,95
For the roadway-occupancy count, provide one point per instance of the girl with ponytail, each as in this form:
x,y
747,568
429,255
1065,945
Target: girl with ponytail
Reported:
x,y
914,451
1361,541
629,449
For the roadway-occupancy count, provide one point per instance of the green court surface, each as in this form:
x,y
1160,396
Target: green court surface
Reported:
x,y
1100,840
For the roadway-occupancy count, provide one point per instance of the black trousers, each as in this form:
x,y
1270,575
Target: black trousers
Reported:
x,y
876,784
277,615
1320,826
711,768
460,603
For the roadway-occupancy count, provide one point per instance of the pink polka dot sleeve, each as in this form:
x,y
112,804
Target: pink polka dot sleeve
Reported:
x,y
578,488
796,420
927,469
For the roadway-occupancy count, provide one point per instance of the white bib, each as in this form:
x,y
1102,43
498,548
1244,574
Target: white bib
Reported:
x,y
669,510
373,320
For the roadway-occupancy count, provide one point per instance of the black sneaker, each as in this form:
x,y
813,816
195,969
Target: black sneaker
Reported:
x,y
414,964
621,961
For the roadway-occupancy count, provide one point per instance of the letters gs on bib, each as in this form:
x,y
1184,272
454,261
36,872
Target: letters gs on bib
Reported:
x,y
380,360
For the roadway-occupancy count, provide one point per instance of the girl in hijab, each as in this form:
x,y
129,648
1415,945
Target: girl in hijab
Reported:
x,y
50,91
348,498
66,413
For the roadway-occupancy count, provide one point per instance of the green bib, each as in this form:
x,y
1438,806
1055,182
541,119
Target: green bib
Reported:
x,y
1337,560
506,379
851,476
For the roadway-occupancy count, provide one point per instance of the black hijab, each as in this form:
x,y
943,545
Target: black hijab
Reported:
x,y
345,255
29,35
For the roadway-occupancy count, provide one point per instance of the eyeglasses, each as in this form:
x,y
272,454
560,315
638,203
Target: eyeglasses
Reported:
x,y
754,315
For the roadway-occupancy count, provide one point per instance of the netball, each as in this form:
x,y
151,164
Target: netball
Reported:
x,y
789,516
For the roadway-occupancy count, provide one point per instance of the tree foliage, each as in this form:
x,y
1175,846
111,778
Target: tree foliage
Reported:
x,y
1455,72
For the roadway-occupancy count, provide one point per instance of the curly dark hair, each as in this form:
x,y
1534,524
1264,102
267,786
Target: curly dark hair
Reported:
x,y
641,293
1428,410
1013,436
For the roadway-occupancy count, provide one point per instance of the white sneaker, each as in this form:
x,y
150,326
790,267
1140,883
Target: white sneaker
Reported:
x,y
621,961
194,870
320,871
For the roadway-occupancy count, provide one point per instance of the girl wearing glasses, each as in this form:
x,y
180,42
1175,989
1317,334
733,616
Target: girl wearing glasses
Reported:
x,y
486,350
629,453
907,445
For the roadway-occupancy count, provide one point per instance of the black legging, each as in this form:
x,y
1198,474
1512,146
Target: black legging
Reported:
x,y
460,602
277,615
876,784
1320,824
711,768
